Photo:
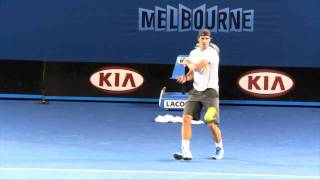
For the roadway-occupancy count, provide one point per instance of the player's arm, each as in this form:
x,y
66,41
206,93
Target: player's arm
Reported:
x,y
185,78
189,75
195,67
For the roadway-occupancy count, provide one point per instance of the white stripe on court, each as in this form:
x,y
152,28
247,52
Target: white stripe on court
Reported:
x,y
159,172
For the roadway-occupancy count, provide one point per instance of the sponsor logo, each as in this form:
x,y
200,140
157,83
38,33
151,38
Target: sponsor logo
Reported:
x,y
174,103
266,83
117,79
183,19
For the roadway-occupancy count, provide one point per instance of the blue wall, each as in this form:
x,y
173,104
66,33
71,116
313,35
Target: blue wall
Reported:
x,y
285,32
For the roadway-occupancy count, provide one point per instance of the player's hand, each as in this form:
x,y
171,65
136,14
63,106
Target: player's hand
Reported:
x,y
182,79
182,59
185,62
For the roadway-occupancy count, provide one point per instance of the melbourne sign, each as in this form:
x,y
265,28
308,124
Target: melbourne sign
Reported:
x,y
183,18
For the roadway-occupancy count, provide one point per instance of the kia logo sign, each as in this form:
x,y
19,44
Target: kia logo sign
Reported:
x,y
117,79
266,83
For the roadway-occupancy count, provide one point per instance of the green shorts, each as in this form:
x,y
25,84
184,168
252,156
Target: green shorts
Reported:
x,y
199,100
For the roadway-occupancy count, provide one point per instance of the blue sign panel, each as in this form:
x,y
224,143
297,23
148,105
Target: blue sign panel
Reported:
x,y
249,33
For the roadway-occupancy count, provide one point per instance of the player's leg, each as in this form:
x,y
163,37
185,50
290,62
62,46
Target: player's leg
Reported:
x,y
216,133
212,118
186,134
186,127
214,122
190,111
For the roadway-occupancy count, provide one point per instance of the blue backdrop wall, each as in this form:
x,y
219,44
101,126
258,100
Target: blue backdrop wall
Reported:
x,y
270,33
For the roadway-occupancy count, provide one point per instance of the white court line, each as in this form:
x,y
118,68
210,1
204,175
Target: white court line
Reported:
x,y
161,172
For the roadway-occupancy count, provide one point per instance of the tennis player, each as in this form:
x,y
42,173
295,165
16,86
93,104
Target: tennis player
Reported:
x,y
203,65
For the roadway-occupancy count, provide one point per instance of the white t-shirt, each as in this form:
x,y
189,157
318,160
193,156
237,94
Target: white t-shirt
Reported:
x,y
207,77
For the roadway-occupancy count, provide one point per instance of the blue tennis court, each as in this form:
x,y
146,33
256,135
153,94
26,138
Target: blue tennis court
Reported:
x,y
104,140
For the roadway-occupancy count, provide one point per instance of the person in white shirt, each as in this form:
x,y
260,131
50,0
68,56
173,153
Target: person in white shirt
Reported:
x,y
203,65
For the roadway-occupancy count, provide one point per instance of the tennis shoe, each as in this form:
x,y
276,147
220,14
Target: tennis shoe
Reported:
x,y
184,155
219,153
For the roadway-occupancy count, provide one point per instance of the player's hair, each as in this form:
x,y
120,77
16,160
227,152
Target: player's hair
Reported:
x,y
204,32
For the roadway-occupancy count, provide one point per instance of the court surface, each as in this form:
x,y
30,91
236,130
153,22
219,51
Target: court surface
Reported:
x,y
104,140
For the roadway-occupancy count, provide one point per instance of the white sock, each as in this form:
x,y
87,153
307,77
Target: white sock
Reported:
x,y
185,145
219,144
